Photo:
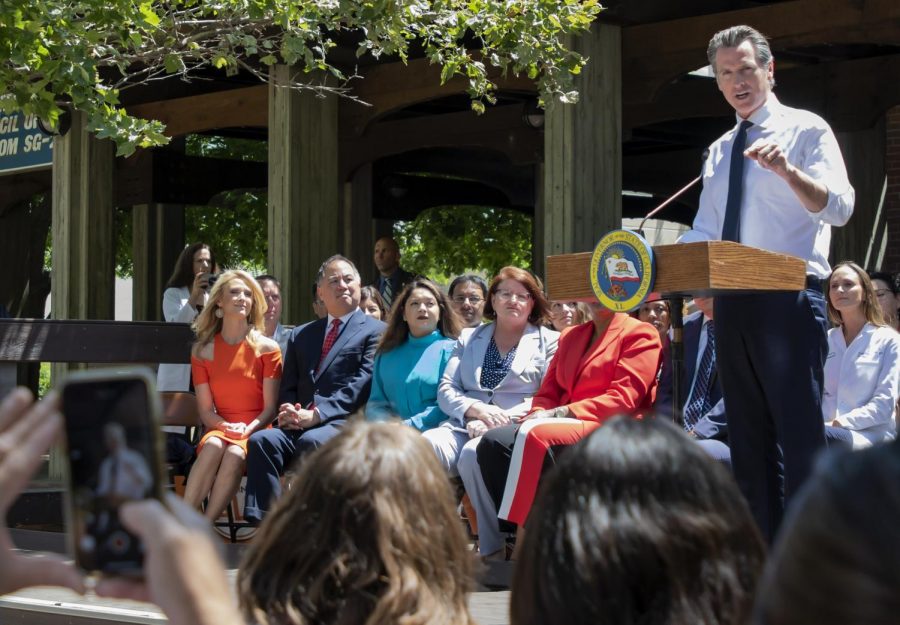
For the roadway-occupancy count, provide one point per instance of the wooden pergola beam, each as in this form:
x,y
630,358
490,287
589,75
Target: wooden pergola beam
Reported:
x,y
655,54
850,94
234,108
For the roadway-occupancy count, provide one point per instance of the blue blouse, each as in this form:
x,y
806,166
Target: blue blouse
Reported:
x,y
405,381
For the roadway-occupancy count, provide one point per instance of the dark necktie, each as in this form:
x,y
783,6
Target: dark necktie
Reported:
x,y
700,403
731,227
330,339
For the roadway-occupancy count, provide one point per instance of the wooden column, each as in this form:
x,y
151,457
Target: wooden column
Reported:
x,y
157,240
865,237
538,257
357,226
304,203
82,279
582,194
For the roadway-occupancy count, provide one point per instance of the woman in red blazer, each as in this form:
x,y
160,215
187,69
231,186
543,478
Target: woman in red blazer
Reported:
x,y
601,369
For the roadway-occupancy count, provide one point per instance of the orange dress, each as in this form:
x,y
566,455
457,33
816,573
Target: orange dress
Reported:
x,y
235,377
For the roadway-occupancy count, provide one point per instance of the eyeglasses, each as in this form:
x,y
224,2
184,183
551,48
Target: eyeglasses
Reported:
x,y
462,299
507,296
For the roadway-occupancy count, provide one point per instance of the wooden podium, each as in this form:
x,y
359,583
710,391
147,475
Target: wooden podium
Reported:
x,y
707,268
687,269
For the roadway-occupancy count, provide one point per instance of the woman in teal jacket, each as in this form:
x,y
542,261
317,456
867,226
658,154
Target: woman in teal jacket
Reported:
x,y
411,357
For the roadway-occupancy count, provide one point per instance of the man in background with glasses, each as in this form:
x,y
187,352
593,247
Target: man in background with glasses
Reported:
x,y
468,294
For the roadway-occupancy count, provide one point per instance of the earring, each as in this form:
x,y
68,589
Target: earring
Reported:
x,y
219,313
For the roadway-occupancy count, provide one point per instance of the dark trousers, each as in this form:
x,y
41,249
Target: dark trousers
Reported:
x,y
272,452
839,438
770,350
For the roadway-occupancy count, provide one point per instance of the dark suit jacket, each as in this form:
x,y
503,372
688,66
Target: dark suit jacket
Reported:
x,y
713,423
399,279
342,384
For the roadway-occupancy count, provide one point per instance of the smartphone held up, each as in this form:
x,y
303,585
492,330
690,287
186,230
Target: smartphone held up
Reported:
x,y
114,456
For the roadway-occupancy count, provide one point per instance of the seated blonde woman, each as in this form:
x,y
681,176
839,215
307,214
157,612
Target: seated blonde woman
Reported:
x,y
862,371
236,371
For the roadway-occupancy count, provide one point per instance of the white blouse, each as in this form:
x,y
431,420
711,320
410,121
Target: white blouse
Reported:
x,y
862,383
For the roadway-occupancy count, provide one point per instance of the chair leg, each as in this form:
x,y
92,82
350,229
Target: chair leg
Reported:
x,y
232,526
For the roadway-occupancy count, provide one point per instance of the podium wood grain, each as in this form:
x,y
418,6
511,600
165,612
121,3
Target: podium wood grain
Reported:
x,y
704,268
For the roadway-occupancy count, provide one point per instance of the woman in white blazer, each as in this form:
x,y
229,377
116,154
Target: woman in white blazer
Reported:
x,y
184,298
494,371
862,371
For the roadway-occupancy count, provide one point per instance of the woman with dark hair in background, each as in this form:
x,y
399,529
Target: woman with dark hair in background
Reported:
x,y
862,371
367,534
411,357
371,303
468,293
888,298
185,295
638,525
656,311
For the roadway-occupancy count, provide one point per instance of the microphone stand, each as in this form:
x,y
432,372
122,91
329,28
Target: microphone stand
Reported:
x,y
676,345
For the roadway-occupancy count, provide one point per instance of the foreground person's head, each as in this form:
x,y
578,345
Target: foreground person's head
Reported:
x,y
367,533
637,525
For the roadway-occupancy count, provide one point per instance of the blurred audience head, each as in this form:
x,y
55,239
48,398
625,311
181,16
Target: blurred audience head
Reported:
x,y
837,558
637,524
420,309
516,293
468,295
367,533
371,303
850,291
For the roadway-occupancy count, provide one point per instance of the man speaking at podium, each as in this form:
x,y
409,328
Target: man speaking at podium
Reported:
x,y
775,181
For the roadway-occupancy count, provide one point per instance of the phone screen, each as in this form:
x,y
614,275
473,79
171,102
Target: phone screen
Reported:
x,y
113,458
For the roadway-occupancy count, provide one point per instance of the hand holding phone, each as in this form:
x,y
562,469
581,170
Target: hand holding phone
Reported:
x,y
113,449
26,431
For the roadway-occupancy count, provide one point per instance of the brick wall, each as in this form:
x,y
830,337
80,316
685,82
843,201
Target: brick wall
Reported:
x,y
892,198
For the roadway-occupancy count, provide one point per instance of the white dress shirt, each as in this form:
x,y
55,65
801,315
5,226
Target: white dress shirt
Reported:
x,y
772,216
176,309
862,383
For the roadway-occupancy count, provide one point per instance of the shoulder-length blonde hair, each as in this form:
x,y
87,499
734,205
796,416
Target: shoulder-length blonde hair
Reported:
x,y
398,331
207,324
870,304
367,534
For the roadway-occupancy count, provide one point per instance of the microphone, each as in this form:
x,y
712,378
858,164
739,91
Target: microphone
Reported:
x,y
674,196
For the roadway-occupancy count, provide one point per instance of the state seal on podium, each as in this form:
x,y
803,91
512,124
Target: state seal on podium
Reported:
x,y
622,271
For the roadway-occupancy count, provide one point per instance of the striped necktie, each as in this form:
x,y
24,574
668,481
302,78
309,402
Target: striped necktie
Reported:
x,y
700,402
